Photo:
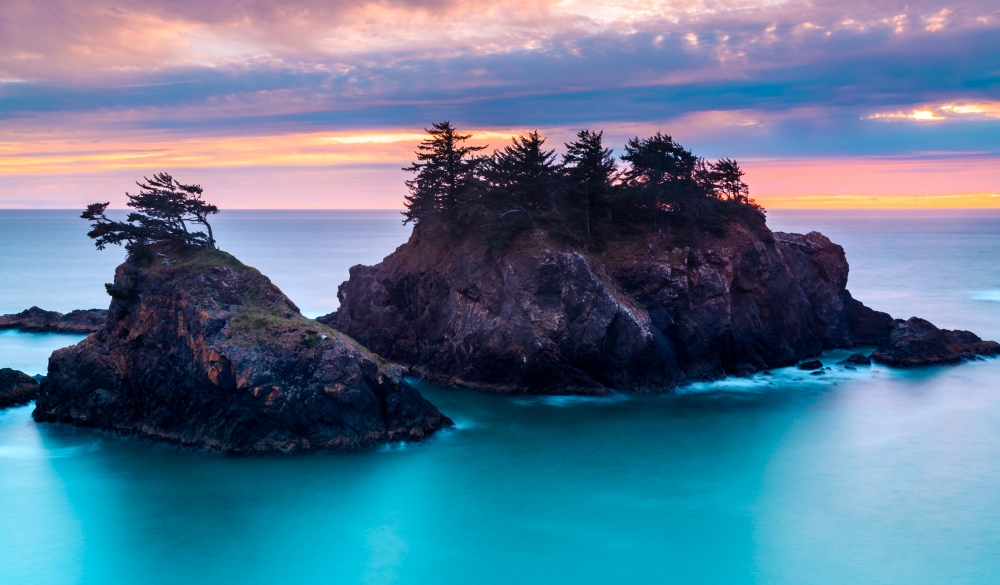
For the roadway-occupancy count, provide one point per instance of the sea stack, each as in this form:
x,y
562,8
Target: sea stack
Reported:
x,y
646,313
201,350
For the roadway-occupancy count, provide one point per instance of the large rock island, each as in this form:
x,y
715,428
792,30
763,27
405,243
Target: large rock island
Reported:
x,y
646,313
201,350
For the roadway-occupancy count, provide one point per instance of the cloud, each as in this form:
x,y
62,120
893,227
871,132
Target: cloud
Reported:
x,y
947,111
329,84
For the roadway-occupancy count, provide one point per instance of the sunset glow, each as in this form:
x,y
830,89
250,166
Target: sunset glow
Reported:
x,y
829,104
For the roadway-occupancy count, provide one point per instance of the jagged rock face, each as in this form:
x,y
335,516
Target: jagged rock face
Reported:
x,y
642,317
208,352
916,342
16,388
35,320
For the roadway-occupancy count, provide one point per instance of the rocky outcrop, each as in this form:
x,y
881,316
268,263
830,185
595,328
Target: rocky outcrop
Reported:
x,y
645,315
856,359
205,351
35,320
16,388
916,342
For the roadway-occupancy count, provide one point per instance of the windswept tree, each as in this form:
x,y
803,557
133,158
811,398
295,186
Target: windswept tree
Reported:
x,y
164,208
727,179
588,168
523,175
445,175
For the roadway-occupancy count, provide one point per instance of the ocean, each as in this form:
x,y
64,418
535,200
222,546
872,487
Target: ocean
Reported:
x,y
877,476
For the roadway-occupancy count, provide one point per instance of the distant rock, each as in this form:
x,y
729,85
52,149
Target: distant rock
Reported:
x,y
916,342
810,365
206,352
16,388
35,320
856,359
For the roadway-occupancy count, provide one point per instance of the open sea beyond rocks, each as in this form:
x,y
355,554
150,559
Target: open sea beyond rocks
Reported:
x,y
874,476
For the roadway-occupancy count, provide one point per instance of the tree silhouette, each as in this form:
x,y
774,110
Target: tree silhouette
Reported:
x,y
163,209
523,175
660,175
589,168
727,177
524,186
445,175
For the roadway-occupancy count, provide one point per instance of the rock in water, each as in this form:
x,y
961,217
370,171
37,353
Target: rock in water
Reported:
x,y
16,388
810,365
644,315
856,359
917,342
207,352
35,320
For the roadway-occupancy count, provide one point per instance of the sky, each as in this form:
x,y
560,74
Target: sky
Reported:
x,y
319,103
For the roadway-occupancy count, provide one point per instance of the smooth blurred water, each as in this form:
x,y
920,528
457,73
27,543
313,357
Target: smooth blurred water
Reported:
x,y
876,476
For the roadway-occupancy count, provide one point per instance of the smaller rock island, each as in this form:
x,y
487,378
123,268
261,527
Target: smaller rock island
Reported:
x,y
201,350
207,352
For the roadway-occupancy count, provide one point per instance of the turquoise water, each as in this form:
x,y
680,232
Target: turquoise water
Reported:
x,y
877,476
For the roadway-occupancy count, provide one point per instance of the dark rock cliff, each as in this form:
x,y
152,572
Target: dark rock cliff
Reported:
x,y
645,315
35,320
208,352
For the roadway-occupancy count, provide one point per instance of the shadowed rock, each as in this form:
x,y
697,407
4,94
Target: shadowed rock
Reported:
x,y
645,315
856,359
16,388
35,320
810,365
207,352
916,342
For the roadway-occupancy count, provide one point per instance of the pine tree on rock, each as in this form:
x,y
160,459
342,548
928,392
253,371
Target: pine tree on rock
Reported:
x,y
523,175
661,175
446,176
589,168
163,209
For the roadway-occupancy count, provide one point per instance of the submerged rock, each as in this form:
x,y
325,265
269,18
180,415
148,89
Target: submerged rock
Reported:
x,y
644,315
16,388
35,320
916,342
207,352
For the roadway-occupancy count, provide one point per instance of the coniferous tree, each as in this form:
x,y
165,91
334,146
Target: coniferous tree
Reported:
x,y
727,178
445,175
661,174
588,168
163,209
523,175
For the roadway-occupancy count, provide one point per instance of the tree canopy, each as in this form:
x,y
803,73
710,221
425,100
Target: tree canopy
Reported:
x,y
164,208
445,175
655,184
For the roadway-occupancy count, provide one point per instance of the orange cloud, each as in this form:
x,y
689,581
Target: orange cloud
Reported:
x,y
946,111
